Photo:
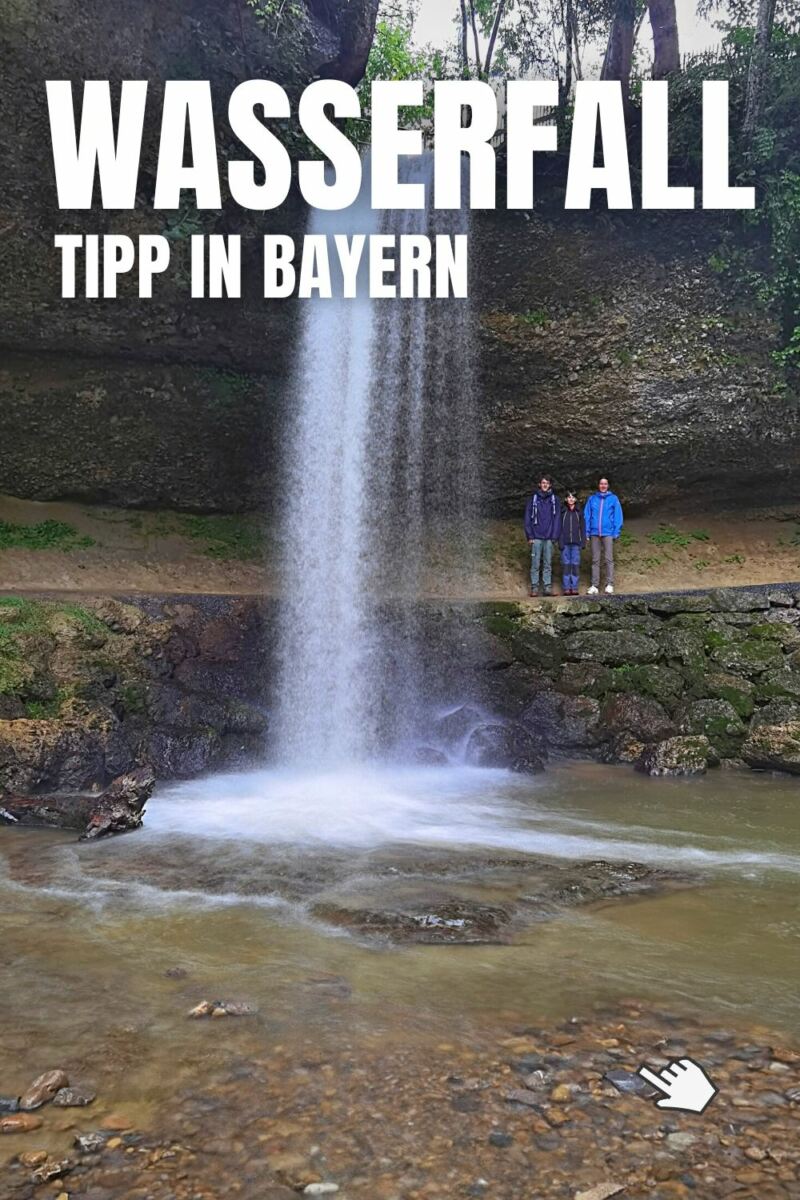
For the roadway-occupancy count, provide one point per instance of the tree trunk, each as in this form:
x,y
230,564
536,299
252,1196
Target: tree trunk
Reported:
x,y
464,44
474,21
619,52
666,48
757,73
498,16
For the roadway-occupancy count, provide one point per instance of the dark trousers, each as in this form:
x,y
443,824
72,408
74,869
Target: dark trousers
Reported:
x,y
570,567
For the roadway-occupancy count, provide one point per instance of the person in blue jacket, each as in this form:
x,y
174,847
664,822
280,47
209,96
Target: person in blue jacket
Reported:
x,y
571,542
542,529
603,514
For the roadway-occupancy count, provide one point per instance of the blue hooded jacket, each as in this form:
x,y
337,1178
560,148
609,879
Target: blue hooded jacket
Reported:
x,y
543,517
603,514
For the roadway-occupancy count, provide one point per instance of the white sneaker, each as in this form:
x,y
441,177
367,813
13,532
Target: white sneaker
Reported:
x,y
592,591
609,589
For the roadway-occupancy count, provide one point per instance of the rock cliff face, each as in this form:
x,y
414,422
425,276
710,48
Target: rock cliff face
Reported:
x,y
604,344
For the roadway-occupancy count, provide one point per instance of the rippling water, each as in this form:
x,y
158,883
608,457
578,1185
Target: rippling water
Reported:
x,y
222,881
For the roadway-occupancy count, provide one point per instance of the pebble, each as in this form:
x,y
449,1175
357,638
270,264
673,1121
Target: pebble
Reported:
x,y
9,1104
536,1080
90,1143
32,1158
523,1096
43,1088
73,1097
561,1093
500,1139
681,1141
601,1191
755,1153
19,1123
320,1189
116,1123
629,1082
51,1169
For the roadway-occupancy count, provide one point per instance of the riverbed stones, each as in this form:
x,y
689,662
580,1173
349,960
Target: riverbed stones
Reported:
x,y
9,1104
43,1089
74,1097
739,692
750,657
676,756
21,1122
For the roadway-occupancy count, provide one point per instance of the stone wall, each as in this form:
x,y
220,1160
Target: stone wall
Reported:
x,y
673,684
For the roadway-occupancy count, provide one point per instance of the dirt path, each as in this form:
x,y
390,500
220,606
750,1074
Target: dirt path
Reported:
x,y
76,548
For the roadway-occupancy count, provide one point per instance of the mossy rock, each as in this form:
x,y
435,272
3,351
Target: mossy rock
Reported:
x,y
641,716
584,679
676,756
750,657
688,602
692,620
782,684
785,635
686,647
777,712
649,679
719,721
739,600
739,692
774,747
612,648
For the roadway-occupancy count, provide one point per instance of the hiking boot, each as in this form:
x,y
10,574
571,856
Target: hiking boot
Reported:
x,y
609,589
592,591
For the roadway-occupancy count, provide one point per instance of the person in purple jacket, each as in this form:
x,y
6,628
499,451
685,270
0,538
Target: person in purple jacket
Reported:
x,y
542,529
571,542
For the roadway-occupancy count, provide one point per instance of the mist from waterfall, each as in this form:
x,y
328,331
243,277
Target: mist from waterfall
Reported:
x,y
381,467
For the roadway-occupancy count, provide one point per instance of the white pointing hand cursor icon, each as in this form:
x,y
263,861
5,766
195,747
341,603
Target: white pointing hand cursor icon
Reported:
x,y
685,1085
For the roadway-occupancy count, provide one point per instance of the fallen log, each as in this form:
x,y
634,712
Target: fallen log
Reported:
x,y
116,809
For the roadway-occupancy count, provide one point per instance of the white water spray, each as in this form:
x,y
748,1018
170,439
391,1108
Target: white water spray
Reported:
x,y
381,454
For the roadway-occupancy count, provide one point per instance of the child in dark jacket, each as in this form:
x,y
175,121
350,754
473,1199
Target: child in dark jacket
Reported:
x,y
571,541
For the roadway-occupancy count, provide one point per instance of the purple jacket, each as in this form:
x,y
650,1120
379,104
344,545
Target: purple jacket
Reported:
x,y
573,527
543,517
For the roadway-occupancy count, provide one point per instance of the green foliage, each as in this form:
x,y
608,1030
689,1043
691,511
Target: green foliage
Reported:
x,y
537,317
274,13
226,537
46,535
668,535
734,559
626,539
228,386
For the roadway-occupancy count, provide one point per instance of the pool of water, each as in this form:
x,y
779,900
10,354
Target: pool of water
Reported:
x,y
106,945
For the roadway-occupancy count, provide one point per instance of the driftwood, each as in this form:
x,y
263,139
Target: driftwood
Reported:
x,y
115,809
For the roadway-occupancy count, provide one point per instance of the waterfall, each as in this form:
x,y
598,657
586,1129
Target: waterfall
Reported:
x,y
380,475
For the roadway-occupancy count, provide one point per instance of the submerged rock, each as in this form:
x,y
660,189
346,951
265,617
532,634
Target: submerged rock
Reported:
x,y
21,1122
508,746
43,1089
74,1097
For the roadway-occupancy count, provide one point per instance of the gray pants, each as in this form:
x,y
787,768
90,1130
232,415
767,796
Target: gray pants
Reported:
x,y
541,560
606,546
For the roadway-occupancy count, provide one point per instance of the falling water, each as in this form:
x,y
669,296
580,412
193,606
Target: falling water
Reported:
x,y
381,467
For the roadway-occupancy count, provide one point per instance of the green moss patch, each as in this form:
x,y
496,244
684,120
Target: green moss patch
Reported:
x,y
46,535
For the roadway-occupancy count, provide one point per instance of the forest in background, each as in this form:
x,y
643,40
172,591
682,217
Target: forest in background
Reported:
x,y
758,52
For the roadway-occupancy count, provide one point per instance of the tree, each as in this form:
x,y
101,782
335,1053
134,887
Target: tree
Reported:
x,y
666,49
757,73
619,51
